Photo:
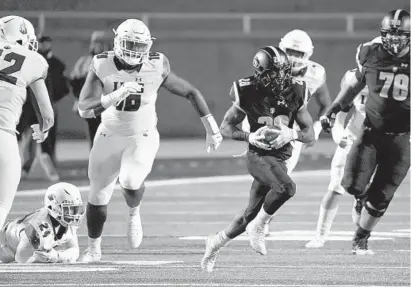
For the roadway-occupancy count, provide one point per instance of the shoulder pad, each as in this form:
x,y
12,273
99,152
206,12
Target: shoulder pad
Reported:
x,y
36,231
237,89
319,72
103,55
41,65
154,56
296,81
100,61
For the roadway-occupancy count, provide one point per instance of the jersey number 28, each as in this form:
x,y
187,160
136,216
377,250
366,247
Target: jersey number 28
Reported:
x,y
399,84
17,61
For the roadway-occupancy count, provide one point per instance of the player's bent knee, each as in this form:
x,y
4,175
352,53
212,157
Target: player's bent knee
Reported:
x,y
335,186
101,197
376,210
131,182
289,189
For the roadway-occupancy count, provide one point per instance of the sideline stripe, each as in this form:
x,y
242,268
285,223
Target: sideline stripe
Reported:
x,y
196,284
195,180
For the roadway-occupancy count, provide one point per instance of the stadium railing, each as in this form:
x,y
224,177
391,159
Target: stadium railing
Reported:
x,y
205,25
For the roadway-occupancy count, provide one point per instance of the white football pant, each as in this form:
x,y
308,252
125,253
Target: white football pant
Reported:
x,y
337,168
113,157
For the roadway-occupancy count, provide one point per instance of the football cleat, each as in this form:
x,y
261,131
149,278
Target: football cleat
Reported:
x,y
90,256
135,230
210,255
356,210
360,246
257,237
317,242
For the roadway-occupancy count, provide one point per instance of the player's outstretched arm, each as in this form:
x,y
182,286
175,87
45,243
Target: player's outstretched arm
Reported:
x,y
344,98
42,105
24,250
182,88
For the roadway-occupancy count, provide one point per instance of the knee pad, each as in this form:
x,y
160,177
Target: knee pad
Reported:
x,y
375,211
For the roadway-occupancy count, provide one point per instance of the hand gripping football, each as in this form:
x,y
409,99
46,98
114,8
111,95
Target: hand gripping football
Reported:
x,y
271,134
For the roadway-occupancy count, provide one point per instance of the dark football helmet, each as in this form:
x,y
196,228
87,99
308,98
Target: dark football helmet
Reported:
x,y
272,69
395,31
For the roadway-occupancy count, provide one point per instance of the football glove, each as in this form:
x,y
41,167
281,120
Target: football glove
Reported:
x,y
213,135
327,121
120,94
287,134
38,135
256,139
50,256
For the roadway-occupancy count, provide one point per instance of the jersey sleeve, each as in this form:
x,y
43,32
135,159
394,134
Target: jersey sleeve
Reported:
x,y
166,67
235,96
40,72
360,58
38,234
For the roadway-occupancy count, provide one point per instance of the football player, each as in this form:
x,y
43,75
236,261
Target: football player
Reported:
x,y
122,86
299,48
270,99
383,147
344,136
20,67
47,235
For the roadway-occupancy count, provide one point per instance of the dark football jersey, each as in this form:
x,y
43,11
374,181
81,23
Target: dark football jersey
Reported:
x,y
265,108
388,81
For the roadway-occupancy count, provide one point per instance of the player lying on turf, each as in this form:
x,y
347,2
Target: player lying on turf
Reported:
x,y
384,146
122,86
272,100
47,235
346,129
299,49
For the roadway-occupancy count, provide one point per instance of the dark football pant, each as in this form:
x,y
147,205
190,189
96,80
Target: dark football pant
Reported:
x,y
386,154
92,125
271,186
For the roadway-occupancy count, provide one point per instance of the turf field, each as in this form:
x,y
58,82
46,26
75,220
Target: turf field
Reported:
x,y
177,214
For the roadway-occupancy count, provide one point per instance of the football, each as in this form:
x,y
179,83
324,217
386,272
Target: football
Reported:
x,y
271,134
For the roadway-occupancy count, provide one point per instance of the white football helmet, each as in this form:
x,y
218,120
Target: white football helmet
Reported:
x,y
132,41
63,202
299,48
16,29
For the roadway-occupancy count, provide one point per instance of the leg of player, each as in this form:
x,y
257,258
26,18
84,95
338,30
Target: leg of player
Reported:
x,y
104,166
10,167
291,163
136,163
215,242
391,171
330,201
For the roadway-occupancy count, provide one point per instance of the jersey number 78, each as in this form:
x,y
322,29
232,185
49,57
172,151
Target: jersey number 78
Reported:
x,y
399,84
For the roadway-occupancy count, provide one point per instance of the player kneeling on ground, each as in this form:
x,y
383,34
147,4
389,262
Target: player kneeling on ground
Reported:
x,y
48,235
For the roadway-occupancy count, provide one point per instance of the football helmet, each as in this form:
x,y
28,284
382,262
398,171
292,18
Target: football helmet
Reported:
x,y
132,41
395,31
272,69
299,48
16,29
63,202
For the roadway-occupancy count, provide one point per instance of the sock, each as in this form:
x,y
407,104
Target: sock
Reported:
x,y
94,244
221,239
96,217
367,221
262,217
362,233
325,221
134,210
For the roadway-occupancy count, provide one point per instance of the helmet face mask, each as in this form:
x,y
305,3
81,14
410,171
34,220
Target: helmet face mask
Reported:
x,y
132,42
395,31
299,48
63,202
272,69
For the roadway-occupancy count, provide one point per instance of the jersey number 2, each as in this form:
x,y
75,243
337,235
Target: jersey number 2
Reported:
x,y
399,82
18,62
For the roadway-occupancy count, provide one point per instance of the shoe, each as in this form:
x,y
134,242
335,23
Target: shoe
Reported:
x,y
356,210
267,229
210,255
90,256
317,242
257,237
134,230
360,246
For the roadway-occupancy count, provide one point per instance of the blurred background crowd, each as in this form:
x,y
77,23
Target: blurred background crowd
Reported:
x,y
210,43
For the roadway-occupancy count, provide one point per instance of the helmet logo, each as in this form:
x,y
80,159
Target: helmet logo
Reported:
x,y
256,63
50,197
23,28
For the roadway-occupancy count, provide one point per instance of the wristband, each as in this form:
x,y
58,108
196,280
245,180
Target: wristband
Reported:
x,y
112,98
210,124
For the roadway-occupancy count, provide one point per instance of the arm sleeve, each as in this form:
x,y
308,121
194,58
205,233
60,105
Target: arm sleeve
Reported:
x,y
360,60
166,68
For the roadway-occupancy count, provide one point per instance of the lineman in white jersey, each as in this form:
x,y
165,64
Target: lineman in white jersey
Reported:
x,y
20,67
299,48
124,84
47,235
344,136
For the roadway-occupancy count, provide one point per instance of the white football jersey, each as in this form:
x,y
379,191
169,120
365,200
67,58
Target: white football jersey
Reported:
x,y
354,124
314,78
19,68
137,113
38,228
